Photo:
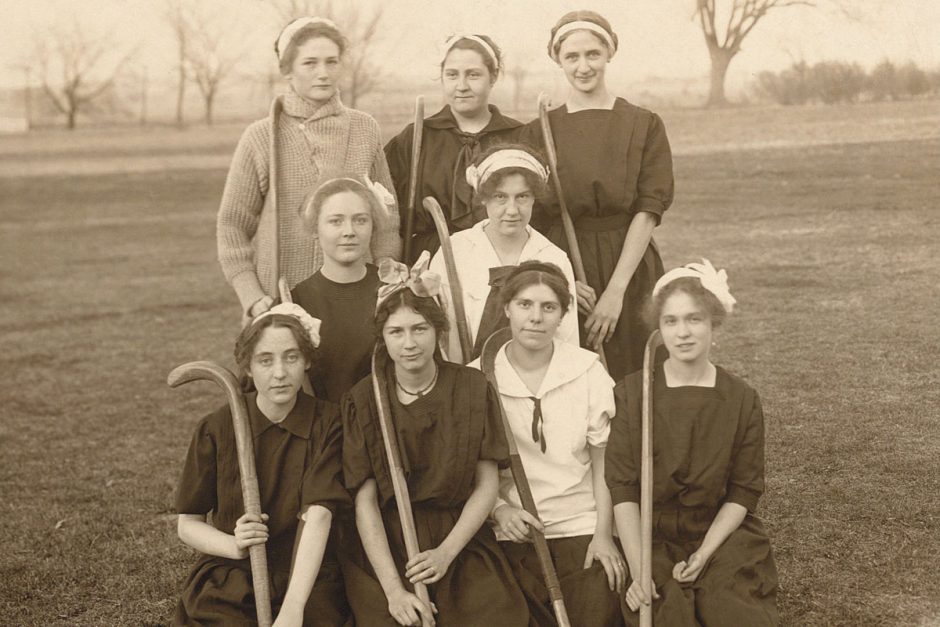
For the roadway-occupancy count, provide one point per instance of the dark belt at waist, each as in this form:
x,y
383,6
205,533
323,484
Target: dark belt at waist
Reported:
x,y
612,222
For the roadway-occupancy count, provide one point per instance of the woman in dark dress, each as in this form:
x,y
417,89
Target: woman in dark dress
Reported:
x,y
342,215
712,560
446,420
615,166
297,443
452,138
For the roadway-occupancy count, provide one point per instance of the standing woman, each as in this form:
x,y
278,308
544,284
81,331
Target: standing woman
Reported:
x,y
448,428
615,166
452,138
712,561
559,401
506,181
316,136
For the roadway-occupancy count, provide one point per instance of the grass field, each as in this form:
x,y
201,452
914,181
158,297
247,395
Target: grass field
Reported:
x,y
108,281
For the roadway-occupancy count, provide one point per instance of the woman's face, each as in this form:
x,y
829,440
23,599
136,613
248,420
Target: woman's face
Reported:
x,y
410,339
686,328
509,207
466,82
534,315
315,72
344,228
277,366
584,58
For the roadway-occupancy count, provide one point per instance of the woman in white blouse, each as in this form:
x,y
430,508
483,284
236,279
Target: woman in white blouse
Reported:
x,y
559,401
506,180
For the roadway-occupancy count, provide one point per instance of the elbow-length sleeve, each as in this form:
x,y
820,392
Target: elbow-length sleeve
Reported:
x,y
655,183
621,458
601,406
494,446
196,493
386,240
357,467
242,203
746,482
323,477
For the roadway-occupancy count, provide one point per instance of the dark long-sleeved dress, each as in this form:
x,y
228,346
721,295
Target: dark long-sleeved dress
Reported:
x,y
612,164
299,464
708,449
442,436
446,151
346,334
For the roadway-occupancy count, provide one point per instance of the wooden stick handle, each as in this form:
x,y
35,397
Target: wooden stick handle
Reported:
x,y
274,167
646,476
397,472
487,362
251,495
453,278
411,208
574,249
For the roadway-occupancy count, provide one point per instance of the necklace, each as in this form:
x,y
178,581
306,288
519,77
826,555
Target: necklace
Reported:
x,y
423,390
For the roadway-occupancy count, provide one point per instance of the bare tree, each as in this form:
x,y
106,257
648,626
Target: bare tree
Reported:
x,y
360,22
210,57
175,15
76,67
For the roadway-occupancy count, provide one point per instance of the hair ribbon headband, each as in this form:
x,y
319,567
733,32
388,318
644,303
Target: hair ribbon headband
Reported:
x,y
453,39
582,25
284,39
714,281
310,324
396,276
500,160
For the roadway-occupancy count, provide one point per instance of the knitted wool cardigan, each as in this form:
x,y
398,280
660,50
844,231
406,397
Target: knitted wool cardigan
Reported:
x,y
314,143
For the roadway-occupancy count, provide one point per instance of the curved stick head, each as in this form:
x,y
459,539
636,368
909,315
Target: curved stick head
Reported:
x,y
202,370
498,339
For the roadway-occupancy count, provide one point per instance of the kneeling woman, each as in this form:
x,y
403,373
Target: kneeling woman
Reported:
x,y
712,560
506,181
559,401
451,444
297,443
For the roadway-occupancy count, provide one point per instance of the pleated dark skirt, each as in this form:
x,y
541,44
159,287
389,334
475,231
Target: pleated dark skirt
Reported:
x,y
737,587
478,589
588,598
600,240
219,592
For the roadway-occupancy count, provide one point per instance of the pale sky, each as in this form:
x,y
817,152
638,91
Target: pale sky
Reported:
x,y
658,37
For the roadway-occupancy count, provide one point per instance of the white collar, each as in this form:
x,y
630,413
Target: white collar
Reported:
x,y
568,363
535,244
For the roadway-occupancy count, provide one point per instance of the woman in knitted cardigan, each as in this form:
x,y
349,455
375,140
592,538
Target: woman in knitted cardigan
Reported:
x,y
317,137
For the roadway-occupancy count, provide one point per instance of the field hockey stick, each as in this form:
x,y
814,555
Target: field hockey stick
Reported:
x,y
251,495
488,362
397,472
453,279
646,478
410,208
571,236
277,106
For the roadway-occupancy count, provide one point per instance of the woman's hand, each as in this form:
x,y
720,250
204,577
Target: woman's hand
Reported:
x,y
428,566
515,523
407,609
602,322
587,298
689,571
260,306
636,597
249,531
605,551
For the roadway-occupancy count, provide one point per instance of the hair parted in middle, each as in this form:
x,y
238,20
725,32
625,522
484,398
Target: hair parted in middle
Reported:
x,y
425,306
533,272
313,203
709,303
248,339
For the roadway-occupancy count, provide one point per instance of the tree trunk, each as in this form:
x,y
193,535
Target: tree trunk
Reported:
x,y
180,95
721,58
71,118
210,98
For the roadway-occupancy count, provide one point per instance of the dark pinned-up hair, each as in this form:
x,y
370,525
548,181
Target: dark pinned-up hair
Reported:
x,y
534,272
310,31
469,44
251,334
580,16
488,188
423,305
688,285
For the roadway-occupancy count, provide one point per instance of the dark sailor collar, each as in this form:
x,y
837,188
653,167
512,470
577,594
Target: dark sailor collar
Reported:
x,y
444,119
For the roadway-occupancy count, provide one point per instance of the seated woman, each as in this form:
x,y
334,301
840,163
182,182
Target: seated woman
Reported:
x,y
342,215
297,453
712,560
451,444
559,401
506,181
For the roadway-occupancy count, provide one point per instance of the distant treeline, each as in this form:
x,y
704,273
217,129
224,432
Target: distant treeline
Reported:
x,y
831,82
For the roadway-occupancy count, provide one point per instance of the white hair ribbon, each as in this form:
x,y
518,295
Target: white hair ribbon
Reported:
x,y
714,281
582,25
284,39
453,39
500,160
382,195
310,324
